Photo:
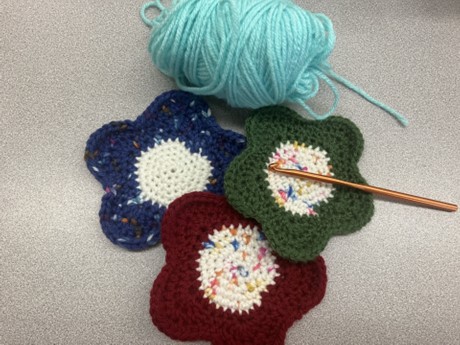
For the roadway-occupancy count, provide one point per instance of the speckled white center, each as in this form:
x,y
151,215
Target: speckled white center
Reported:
x,y
236,266
294,194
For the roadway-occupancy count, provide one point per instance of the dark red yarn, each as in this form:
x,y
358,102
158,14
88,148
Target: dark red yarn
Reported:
x,y
178,307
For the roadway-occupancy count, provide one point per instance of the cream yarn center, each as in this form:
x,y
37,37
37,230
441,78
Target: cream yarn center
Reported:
x,y
169,170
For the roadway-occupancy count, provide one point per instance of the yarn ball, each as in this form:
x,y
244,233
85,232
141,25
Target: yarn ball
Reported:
x,y
251,53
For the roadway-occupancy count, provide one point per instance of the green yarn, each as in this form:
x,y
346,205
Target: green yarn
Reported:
x,y
295,235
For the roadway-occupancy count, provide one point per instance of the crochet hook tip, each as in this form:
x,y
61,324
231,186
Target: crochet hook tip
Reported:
x,y
273,166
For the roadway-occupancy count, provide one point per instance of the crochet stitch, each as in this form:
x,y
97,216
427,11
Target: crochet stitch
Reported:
x,y
299,216
173,148
221,281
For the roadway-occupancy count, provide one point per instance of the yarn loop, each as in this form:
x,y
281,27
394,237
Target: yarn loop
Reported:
x,y
153,5
252,53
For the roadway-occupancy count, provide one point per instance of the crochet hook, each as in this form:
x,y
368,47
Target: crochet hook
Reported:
x,y
366,188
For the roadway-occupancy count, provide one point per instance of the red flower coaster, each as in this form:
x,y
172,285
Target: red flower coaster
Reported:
x,y
222,282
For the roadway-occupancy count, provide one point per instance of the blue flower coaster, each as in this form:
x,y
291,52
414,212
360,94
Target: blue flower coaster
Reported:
x,y
173,148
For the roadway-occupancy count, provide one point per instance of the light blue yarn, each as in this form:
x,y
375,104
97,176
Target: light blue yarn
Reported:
x,y
252,53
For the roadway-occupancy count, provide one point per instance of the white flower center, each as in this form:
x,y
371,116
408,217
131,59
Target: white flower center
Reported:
x,y
169,170
294,194
236,266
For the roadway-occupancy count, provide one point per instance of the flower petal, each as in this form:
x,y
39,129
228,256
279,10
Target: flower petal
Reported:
x,y
109,164
131,226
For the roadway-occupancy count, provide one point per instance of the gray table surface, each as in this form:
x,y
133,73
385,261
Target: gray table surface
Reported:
x,y
68,67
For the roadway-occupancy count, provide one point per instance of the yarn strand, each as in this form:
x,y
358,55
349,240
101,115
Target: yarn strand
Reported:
x,y
334,105
367,97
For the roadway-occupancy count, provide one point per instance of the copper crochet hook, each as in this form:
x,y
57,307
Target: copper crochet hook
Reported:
x,y
366,188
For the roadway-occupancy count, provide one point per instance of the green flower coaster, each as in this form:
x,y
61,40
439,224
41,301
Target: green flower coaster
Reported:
x,y
299,216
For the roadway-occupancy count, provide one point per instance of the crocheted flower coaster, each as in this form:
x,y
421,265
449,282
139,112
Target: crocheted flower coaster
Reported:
x,y
221,281
299,216
173,148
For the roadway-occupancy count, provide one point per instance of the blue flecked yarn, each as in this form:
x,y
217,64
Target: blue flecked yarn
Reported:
x,y
112,152
252,53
